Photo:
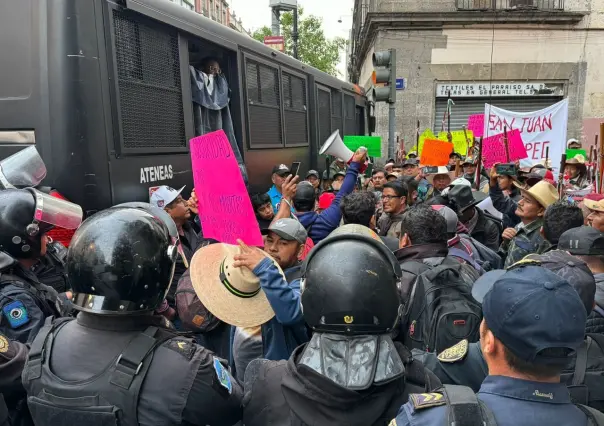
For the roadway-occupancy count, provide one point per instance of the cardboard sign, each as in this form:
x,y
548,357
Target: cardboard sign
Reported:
x,y
539,130
460,140
225,209
372,143
476,125
493,149
435,153
570,153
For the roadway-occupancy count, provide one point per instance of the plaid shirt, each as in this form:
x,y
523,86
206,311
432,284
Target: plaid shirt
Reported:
x,y
528,240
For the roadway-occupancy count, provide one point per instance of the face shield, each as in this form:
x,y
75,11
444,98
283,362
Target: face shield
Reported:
x,y
53,212
22,170
166,219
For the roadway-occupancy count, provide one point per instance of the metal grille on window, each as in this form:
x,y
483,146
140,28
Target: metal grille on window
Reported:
x,y
464,107
324,115
294,104
336,111
349,115
150,95
263,98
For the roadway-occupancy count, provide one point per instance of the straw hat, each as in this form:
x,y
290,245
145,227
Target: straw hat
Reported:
x,y
544,192
577,159
232,294
594,205
442,170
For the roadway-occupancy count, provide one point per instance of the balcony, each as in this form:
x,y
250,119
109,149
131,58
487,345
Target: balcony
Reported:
x,y
510,5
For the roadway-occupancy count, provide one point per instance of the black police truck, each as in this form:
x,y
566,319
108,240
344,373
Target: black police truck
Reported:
x,y
102,88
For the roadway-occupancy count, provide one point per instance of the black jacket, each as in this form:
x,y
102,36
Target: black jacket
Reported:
x,y
595,321
411,259
285,393
487,231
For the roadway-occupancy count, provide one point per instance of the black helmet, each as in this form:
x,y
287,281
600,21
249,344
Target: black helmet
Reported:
x,y
350,286
305,197
121,260
27,214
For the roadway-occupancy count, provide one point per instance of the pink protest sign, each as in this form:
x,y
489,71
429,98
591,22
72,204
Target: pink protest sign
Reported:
x,y
476,124
225,210
493,148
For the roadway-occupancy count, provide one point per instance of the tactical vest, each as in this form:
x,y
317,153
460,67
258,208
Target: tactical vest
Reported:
x,y
112,396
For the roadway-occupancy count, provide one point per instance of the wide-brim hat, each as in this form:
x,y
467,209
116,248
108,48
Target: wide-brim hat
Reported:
x,y
442,170
233,295
578,160
544,192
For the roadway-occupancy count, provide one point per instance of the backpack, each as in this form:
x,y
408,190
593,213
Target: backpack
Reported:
x,y
464,408
587,386
441,310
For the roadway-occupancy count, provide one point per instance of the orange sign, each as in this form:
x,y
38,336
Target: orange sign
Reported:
x,y
275,42
435,153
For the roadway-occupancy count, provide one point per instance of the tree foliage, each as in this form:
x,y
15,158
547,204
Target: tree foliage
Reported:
x,y
314,48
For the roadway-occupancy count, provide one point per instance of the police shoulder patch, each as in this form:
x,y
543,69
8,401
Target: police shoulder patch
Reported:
x,y
4,345
454,353
16,314
183,347
223,375
425,400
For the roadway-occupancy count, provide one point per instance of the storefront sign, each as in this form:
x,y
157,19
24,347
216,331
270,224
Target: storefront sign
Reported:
x,y
499,89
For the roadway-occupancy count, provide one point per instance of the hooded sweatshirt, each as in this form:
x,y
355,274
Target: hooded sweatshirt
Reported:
x,y
286,391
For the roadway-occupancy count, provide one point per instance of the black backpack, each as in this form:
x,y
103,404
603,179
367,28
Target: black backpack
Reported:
x,y
441,310
586,383
464,408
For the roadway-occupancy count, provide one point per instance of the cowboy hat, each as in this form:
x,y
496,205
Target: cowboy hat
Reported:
x,y
442,170
544,192
232,294
578,159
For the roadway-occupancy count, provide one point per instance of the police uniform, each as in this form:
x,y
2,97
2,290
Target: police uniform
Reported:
x,y
117,363
12,359
538,316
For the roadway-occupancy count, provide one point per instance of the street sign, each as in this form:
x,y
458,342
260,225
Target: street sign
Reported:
x,y
401,83
275,42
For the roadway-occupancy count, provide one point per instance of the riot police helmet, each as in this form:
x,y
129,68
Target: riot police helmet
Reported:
x,y
26,215
349,286
305,197
121,260
24,169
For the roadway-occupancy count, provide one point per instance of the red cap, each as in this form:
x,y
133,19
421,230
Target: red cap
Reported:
x,y
326,199
594,197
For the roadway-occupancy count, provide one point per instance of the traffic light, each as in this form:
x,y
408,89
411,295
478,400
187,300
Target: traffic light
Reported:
x,y
384,63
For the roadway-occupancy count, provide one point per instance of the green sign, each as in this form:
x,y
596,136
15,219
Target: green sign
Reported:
x,y
372,143
570,153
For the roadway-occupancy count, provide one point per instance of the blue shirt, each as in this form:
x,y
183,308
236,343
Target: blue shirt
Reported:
x,y
276,197
513,402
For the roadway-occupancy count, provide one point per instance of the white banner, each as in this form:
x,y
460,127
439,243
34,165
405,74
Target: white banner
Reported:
x,y
540,130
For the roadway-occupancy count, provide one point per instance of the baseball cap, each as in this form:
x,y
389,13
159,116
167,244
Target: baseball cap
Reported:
x,y
411,162
164,195
561,263
326,199
530,310
281,170
450,217
584,240
313,173
339,174
288,229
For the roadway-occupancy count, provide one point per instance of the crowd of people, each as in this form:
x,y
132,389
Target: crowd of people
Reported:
x,y
402,295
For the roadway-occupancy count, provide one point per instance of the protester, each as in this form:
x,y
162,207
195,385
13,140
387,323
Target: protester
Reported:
x,y
525,357
453,157
326,182
424,247
415,193
504,196
320,225
350,302
587,244
263,209
398,168
389,166
409,168
573,144
170,200
481,226
469,170
338,177
325,201
576,170
394,201
412,154
526,237
586,211
596,215
392,177
439,181
559,218
278,176
315,179
117,363
378,179
338,166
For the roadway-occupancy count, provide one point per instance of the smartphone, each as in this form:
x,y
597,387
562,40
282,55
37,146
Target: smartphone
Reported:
x,y
508,169
369,170
295,168
430,170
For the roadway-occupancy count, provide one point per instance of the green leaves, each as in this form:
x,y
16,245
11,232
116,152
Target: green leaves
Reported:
x,y
314,48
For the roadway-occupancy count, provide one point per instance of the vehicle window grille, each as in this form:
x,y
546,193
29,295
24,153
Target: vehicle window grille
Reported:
x,y
263,97
349,115
336,111
294,103
324,116
150,93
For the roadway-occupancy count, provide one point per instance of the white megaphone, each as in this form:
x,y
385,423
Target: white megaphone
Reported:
x,y
335,146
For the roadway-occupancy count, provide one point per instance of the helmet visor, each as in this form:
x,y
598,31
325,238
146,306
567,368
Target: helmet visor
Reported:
x,y
56,212
159,214
22,170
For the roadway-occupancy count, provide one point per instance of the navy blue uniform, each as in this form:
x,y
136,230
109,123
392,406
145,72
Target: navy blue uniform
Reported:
x,y
513,402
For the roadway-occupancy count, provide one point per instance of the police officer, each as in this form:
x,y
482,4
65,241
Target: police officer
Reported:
x,y
26,215
116,363
12,359
533,319
351,372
